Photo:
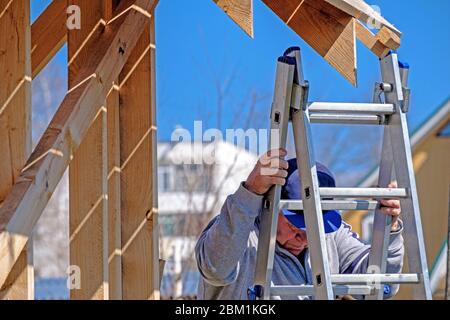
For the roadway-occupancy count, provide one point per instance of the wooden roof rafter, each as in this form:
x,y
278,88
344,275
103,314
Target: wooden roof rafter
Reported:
x,y
330,27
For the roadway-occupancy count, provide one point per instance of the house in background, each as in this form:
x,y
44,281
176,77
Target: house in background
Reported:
x,y
193,181
431,156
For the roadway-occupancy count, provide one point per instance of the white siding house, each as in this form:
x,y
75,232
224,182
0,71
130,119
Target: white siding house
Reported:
x,y
193,181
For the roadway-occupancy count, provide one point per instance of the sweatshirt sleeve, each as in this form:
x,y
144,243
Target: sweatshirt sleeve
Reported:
x,y
224,241
354,254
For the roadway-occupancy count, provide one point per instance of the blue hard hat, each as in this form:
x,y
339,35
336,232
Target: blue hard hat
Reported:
x,y
291,191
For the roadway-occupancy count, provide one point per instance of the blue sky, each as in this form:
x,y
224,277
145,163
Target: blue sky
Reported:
x,y
198,44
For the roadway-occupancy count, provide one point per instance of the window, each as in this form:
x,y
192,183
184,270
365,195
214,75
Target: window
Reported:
x,y
184,224
167,224
165,179
193,178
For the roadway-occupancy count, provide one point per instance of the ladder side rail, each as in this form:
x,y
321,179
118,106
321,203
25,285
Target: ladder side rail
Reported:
x,y
404,171
312,207
382,223
269,217
306,163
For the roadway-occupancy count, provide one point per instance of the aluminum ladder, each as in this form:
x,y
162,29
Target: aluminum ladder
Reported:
x,y
290,104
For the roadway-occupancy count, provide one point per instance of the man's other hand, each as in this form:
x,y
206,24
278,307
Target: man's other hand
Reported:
x,y
391,208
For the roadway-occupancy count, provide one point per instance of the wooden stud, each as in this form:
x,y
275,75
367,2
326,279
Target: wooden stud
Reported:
x,y
48,35
240,11
156,273
15,127
140,257
114,216
31,192
20,283
87,193
114,198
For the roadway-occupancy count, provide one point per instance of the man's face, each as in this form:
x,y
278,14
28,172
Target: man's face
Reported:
x,y
289,236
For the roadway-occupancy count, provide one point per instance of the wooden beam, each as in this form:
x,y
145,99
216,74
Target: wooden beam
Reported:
x,y
15,127
20,282
140,253
48,35
379,44
240,11
388,38
329,31
15,93
364,12
114,198
87,195
38,180
153,219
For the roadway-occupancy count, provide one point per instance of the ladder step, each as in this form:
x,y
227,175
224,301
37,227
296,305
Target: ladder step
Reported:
x,y
371,279
308,290
332,204
380,193
366,108
342,118
357,284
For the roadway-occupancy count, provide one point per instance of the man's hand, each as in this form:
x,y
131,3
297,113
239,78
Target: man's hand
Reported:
x,y
391,208
270,170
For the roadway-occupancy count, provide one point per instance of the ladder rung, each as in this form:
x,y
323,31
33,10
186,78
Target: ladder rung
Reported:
x,y
366,108
332,204
371,279
340,118
387,193
308,290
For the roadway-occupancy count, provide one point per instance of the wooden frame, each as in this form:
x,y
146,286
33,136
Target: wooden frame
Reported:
x,y
91,82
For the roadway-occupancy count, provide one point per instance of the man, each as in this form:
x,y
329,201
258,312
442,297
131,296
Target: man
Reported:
x,y
226,249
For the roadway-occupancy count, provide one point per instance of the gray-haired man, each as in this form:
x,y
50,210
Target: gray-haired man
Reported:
x,y
226,249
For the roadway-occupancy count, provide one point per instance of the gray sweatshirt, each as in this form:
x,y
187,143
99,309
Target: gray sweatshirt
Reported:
x,y
226,252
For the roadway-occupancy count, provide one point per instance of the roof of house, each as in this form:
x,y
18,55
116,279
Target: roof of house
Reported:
x,y
429,126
